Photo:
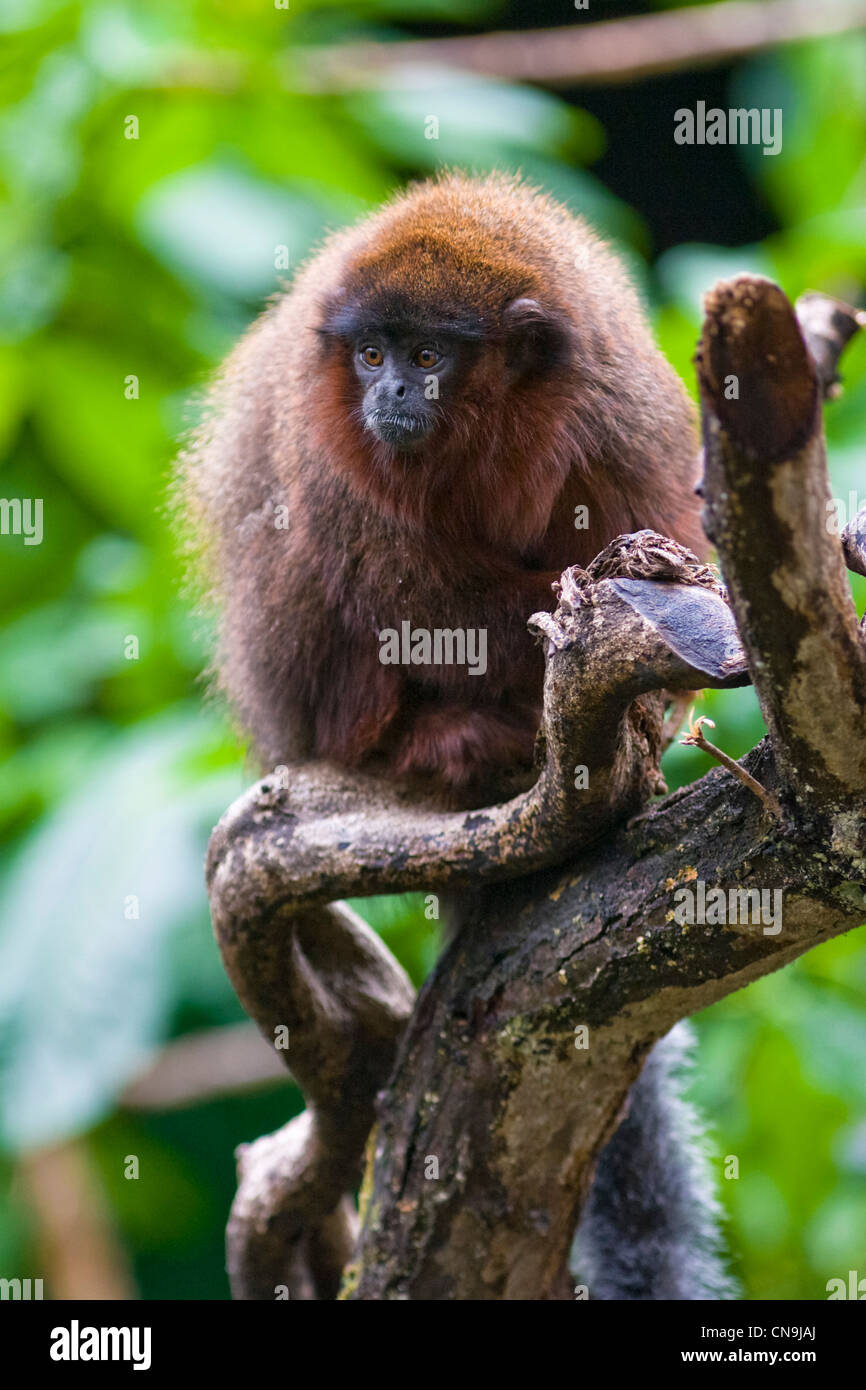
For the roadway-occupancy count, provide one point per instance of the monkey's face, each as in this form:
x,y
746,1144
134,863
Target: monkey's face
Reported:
x,y
430,377
401,375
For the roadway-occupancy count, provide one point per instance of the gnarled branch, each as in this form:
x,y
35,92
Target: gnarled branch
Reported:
x,y
766,508
487,1079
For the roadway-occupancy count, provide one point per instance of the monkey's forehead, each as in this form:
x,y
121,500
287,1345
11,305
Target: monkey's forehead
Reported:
x,y
453,252
400,316
441,294
425,275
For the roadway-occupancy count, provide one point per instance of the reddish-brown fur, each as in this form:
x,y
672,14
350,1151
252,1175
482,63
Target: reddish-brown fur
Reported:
x,y
467,532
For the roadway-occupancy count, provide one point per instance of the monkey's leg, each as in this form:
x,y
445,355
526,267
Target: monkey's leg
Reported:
x,y
469,755
650,1228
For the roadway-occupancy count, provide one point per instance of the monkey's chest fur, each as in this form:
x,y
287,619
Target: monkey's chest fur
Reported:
x,y
425,665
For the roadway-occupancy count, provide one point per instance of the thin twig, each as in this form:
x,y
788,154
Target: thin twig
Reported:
x,y
695,739
202,1066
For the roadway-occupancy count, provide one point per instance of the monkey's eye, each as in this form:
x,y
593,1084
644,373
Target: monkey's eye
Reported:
x,y
372,356
426,357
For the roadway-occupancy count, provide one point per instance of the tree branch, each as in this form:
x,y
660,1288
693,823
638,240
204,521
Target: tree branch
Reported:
x,y
766,507
854,543
488,1082
617,634
202,1066
280,854
592,54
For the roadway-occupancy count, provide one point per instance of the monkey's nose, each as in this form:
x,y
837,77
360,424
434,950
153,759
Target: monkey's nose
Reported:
x,y
400,391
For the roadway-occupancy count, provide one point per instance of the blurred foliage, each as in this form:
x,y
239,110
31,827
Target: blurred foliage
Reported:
x,y
144,258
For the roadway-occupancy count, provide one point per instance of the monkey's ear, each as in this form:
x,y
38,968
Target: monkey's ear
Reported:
x,y
536,338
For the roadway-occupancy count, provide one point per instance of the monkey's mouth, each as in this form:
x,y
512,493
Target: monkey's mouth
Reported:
x,y
400,430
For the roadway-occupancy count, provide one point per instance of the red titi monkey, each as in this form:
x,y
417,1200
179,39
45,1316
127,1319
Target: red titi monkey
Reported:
x,y
458,398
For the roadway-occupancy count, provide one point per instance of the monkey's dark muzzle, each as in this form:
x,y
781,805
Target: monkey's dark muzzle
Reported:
x,y
400,430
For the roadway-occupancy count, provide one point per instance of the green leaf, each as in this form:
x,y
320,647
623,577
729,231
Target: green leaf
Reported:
x,y
429,117
219,227
86,989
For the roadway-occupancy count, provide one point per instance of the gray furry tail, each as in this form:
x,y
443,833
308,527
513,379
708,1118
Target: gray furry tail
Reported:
x,y
651,1226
